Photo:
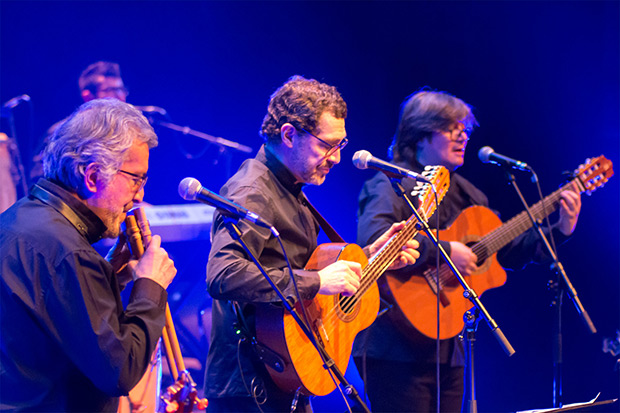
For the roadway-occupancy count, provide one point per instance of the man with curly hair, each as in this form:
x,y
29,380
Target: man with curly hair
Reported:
x,y
304,132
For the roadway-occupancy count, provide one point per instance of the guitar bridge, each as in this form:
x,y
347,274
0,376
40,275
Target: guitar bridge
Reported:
x,y
430,279
320,326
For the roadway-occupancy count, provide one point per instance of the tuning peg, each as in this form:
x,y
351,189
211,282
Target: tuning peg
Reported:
x,y
202,404
171,406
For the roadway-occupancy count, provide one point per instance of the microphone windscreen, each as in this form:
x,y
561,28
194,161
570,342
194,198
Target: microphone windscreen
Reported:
x,y
484,153
189,188
361,158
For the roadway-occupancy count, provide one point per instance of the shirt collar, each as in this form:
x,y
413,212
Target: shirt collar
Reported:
x,y
282,173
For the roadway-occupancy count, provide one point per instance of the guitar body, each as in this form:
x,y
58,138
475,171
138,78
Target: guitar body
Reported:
x,y
334,325
415,302
289,356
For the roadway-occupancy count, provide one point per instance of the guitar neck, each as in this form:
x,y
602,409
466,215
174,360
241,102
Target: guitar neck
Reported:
x,y
386,256
501,236
439,184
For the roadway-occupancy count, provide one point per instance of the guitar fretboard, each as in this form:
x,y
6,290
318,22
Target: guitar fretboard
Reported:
x,y
499,237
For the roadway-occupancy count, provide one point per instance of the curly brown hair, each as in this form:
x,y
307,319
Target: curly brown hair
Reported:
x,y
301,102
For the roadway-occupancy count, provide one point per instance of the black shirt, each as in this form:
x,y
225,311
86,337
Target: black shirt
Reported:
x,y
264,186
67,343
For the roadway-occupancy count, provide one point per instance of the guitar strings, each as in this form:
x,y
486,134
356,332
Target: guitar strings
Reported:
x,y
519,224
394,246
502,235
376,267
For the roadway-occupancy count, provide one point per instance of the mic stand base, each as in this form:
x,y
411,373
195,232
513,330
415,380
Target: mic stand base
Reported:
x,y
556,306
471,325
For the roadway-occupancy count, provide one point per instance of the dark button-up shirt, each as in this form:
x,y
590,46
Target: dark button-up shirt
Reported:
x,y
67,344
264,186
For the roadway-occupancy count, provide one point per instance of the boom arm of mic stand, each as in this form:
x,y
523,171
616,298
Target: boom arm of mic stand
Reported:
x,y
235,233
469,293
186,130
557,265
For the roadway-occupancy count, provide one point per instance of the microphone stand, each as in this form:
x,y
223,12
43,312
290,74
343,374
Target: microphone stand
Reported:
x,y
13,147
557,286
186,130
468,293
329,363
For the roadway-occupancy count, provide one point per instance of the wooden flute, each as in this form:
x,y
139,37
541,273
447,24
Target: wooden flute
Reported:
x,y
139,236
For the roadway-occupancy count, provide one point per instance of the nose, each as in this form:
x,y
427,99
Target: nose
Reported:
x,y
464,136
139,196
335,157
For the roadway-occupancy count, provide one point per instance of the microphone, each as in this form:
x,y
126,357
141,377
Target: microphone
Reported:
x,y
11,103
152,109
364,159
191,189
488,155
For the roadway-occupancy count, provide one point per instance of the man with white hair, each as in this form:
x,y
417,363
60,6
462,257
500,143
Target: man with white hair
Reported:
x,y
67,342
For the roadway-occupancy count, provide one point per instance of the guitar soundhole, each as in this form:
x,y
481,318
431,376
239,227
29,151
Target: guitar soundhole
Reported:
x,y
347,308
482,255
471,240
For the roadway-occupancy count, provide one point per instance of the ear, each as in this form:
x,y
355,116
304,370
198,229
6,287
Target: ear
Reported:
x,y
87,95
287,134
91,176
426,140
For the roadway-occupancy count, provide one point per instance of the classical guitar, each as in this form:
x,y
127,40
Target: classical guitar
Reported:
x,y
414,298
336,319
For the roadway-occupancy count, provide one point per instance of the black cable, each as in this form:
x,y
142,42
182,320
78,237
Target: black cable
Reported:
x,y
253,392
437,288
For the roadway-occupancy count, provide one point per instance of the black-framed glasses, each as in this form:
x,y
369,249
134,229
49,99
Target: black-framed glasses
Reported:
x,y
117,90
330,148
457,134
138,180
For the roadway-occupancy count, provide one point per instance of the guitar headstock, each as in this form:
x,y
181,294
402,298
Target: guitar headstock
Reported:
x,y
594,173
439,176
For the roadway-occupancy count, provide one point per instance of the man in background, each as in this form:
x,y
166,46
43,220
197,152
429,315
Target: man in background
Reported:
x,y
99,80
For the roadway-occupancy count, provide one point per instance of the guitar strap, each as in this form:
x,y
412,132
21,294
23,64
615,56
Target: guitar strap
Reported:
x,y
325,226
59,205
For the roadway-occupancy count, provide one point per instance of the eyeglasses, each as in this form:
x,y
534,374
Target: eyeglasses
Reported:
x,y
117,90
330,148
457,134
138,181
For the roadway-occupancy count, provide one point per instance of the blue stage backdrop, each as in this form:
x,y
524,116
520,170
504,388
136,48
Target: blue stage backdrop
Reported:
x,y
543,78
